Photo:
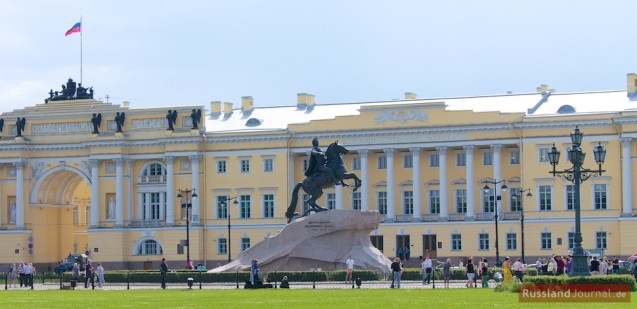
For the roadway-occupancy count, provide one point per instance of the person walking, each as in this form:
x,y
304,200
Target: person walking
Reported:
x,y
396,270
100,275
506,270
426,270
519,269
446,272
21,273
350,270
76,274
484,273
88,272
13,275
471,272
163,269
28,278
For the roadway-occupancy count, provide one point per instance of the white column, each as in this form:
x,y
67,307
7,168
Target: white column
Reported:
x,y
364,185
627,178
389,156
147,209
95,192
471,205
442,160
497,175
338,192
140,206
129,189
161,209
119,192
170,191
19,194
195,186
415,160
291,182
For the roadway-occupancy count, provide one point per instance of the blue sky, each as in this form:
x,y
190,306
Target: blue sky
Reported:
x,y
165,53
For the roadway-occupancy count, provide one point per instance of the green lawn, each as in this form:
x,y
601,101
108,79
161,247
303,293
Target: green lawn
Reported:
x,y
280,298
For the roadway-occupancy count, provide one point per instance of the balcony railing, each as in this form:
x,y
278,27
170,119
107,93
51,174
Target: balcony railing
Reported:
x,y
512,215
430,217
457,217
147,223
485,216
402,218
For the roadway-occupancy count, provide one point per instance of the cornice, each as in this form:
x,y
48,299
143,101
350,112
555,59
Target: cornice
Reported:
x,y
99,144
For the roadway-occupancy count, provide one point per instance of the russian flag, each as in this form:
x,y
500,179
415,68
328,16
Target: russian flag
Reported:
x,y
76,28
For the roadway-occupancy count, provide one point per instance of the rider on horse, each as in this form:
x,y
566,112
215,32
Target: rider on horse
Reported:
x,y
317,165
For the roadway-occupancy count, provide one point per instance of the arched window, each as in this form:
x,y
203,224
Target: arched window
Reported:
x,y
566,109
154,173
149,247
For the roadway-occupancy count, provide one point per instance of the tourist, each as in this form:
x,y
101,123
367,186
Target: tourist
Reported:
x,y
615,265
88,272
100,275
426,270
163,269
560,265
484,273
350,270
13,275
396,272
21,274
284,283
254,272
519,269
446,272
471,272
594,266
28,278
506,270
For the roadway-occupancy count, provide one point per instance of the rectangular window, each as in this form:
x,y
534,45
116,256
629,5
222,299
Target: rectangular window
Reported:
x,y
382,202
154,206
434,201
571,240
356,200
488,200
356,163
546,241
382,162
487,158
570,197
408,161
461,201
456,242
221,166
151,247
330,200
408,202
434,160
483,243
514,157
222,246
546,198
245,243
461,159
268,205
268,165
515,198
512,241
543,154
244,204
600,196
245,165
222,207
600,238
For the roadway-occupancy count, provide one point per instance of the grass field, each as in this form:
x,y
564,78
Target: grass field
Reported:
x,y
281,298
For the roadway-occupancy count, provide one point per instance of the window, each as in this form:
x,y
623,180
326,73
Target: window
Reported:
x,y
483,243
543,154
222,246
514,157
515,198
149,247
545,197
76,215
434,201
244,204
330,200
245,165
570,197
222,207
600,240
382,162
268,165
377,242
600,196
487,158
356,163
382,202
154,172
408,202
461,201
356,200
456,242
461,159
488,200
221,166
154,206
151,206
434,160
571,240
268,205
408,161
546,241
245,243
512,241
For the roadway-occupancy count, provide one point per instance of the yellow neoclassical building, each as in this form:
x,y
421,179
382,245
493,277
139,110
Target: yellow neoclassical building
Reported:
x,y
85,176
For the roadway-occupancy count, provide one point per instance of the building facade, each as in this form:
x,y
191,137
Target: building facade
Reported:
x,y
424,165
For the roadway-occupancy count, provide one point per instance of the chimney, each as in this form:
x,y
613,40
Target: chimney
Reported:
x,y
125,103
410,96
215,108
301,100
227,107
247,104
542,89
631,85
310,101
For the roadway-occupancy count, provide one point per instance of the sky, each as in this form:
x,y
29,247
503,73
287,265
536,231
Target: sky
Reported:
x,y
175,53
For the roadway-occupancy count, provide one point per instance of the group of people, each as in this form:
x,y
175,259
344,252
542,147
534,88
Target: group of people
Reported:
x,y
556,265
89,274
23,273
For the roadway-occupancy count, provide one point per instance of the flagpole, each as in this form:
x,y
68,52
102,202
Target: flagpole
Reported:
x,y
81,48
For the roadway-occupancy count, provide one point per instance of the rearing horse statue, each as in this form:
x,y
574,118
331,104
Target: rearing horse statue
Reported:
x,y
315,184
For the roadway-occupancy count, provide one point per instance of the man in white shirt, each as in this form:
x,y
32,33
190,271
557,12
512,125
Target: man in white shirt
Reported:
x,y
519,269
426,270
350,270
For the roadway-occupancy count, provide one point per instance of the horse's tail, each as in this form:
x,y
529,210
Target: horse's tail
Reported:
x,y
294,200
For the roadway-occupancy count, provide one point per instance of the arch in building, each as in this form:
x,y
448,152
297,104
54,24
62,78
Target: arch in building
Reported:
x,y
143,244
57,185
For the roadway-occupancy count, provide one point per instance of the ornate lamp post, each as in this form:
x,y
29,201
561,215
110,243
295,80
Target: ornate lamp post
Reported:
x,y
517,196
577,174
486,190
186,197
223,205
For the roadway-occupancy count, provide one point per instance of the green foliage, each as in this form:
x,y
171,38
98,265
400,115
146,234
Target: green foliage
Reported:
x,y
510,286
564,279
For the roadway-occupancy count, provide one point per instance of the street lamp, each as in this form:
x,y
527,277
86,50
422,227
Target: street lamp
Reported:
x,y
518,195
577,174
223,205
186,197
486,190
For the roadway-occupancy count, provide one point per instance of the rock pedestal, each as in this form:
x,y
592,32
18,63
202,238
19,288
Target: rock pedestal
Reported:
x,y
322,240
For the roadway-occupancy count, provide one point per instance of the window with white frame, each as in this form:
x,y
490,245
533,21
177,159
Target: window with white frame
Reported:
x,y
546,241
515,198
483,241
408,202
268,165
222,207
222,246
543,154
356,163
487,158
245,165
570,197
268,205
382,162
153,208
381,201
571,240
600,240
600,199
546,197
245,206
434,160
488,200
434,201
149,247
221,167
456,242
512,241
461,159
514,157
154,173
245,243
356,200
461,201
408,161
330,200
